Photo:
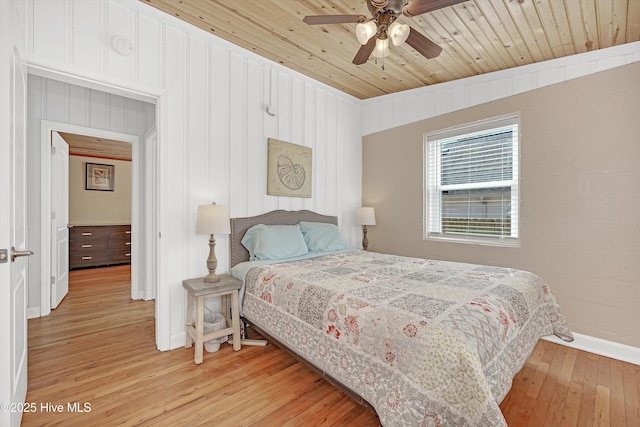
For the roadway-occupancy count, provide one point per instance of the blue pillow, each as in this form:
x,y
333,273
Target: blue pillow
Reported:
x,y
274,242
323,237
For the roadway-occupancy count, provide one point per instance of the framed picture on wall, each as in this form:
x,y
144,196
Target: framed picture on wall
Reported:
x,y
100,177
288,169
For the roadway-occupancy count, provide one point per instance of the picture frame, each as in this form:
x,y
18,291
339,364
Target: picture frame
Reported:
x,y
100,177
288,169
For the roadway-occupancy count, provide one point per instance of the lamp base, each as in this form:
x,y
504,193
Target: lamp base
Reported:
x,y
365,241
212,262
211,278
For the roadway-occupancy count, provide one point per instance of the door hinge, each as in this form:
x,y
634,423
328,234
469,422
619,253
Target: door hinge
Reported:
x,y
53,280
4,256
53,214
53,150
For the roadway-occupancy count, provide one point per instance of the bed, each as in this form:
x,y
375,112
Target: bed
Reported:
x,y
423,342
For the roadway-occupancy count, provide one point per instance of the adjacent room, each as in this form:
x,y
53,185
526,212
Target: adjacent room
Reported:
x,y
363,213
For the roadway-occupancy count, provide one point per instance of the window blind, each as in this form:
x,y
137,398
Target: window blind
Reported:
x,y
472,182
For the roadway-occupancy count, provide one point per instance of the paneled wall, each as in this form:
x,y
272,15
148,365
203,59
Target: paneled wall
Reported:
x,y
398,109
212,124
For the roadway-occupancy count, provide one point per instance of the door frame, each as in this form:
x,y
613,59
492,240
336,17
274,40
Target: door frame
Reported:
x,y
59,224
154,241
46,127
151,221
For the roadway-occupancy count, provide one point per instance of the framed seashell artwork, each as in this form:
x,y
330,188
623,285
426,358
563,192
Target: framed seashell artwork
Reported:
x,y
288,169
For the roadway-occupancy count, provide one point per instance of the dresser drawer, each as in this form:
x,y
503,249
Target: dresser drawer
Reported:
x,y
120,256
119,244
88,233
86,245
120,232
83,260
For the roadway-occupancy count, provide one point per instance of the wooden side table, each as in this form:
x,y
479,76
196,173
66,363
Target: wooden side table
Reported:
x,y
197,291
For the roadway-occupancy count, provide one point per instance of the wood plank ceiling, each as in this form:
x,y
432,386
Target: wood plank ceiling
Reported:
x,y
82,145
477,36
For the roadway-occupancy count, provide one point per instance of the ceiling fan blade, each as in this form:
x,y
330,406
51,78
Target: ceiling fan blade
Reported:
x,y
365,52
423,45
418,7
333,19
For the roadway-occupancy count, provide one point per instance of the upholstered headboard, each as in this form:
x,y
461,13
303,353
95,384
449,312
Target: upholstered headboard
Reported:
x,y
239,227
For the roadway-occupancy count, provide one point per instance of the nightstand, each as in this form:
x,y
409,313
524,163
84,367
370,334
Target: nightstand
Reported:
x,y
197,291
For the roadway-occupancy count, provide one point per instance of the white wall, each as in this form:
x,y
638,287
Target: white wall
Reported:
x,y
212,124
431,101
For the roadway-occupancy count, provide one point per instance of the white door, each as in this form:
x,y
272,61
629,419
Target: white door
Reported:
x,y
13,238
59,219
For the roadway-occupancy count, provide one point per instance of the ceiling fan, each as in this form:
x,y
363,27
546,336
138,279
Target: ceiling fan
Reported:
x,y
383,26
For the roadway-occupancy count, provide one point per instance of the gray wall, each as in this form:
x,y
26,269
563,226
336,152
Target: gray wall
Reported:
x,y
580,205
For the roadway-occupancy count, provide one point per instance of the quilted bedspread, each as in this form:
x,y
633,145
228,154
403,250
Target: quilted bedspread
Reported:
x,y
424,342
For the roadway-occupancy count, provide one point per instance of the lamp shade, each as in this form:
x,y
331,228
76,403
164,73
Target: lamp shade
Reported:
x,y
382,48
365,30
212,219
365,216
398,33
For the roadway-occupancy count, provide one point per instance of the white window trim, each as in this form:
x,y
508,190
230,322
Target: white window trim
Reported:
x,y
431,186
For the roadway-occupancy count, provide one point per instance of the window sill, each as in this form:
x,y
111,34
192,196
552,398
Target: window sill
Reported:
x,y
509,243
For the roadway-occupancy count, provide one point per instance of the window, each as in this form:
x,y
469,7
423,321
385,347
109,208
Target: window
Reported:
x,y
472,182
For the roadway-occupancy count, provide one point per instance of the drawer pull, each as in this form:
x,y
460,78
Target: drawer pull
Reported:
x,y
87,233
127,254
128,232
87,258
128,243
87,246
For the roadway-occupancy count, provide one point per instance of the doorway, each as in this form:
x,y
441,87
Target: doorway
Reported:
x,y
91,138
93,187
67,103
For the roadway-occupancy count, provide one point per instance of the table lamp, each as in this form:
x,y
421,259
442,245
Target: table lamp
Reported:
x,y
212,219
365,216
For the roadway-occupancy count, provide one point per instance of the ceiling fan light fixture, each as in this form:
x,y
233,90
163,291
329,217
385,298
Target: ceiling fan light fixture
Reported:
x,y
382,48
398,33
365,30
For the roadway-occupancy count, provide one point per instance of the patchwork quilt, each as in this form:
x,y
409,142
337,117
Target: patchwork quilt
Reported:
x,y
424,342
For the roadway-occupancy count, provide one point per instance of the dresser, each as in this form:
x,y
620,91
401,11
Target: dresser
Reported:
x,y
97,245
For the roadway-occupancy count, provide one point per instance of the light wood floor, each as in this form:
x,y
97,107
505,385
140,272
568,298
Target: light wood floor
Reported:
x,y
98,348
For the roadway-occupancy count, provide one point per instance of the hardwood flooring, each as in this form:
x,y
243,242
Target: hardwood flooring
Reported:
x,y
93,362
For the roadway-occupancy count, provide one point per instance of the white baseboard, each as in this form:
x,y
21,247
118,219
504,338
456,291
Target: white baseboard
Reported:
x,y
178,340
614,350
33,312
137,295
